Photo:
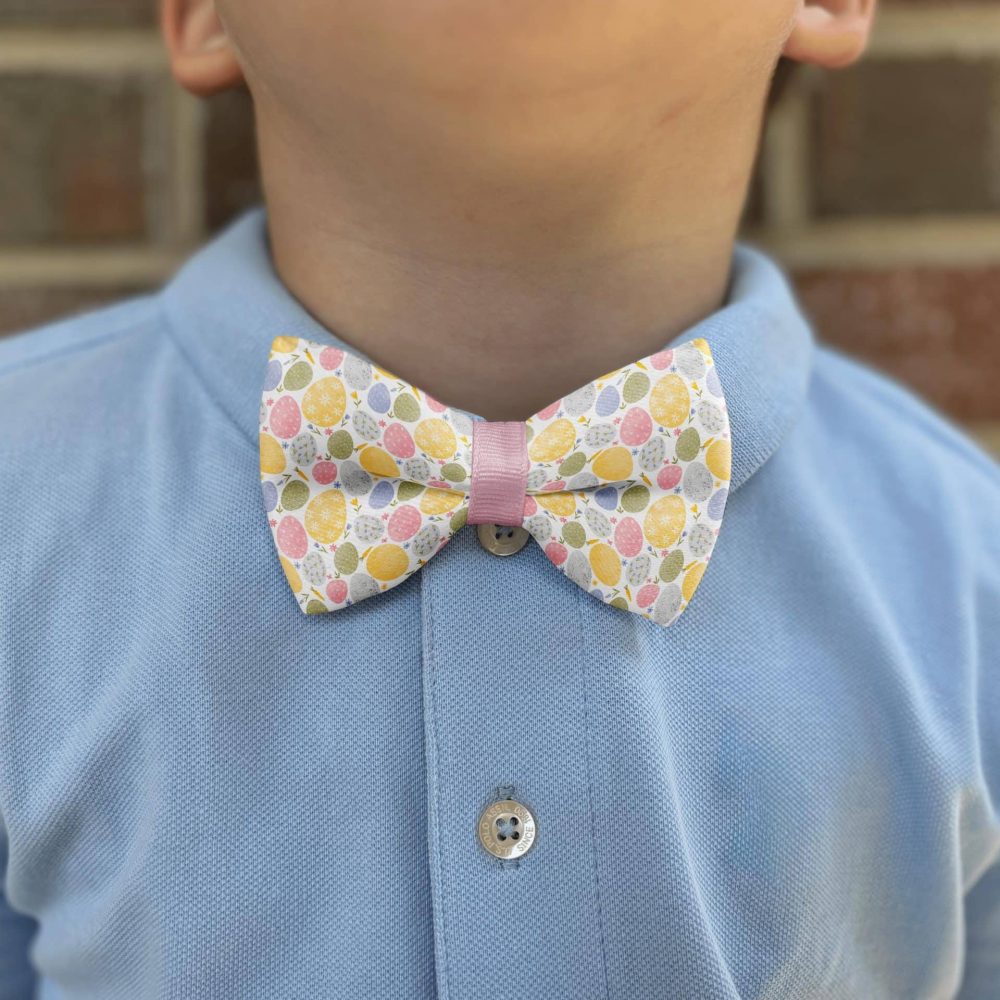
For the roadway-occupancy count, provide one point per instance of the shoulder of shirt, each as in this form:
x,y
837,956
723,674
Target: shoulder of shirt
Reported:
x,y
54,378
79,336
909,432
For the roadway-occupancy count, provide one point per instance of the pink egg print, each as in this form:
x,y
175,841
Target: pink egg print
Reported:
x,y
286,420
441,484
555,484
647,595
549,411
330,358
636,427
336,590
628,537
324,472
434,404
530,507
397,441
556,551
292,537
668,477
662,359
404,523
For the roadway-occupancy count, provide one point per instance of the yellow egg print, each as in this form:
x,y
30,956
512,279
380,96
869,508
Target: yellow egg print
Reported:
x,y
664,521
435,501
561,504
606,564
326,515
691,580
284,345
718,458
670,401
702,346
324,402
554,442
612,464
386,562
435,437
291,574
272,456
378,462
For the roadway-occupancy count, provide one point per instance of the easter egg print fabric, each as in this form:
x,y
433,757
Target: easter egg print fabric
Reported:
x,y
365,477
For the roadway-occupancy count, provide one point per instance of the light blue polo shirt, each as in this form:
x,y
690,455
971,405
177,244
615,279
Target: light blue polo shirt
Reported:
x,y
792,792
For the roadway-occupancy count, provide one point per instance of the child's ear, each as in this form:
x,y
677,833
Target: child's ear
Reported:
x,y
201,56
830,33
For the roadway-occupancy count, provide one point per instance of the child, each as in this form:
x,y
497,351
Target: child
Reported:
x,y
472,579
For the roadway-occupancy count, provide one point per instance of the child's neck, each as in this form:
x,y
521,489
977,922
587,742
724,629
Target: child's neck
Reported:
x,y
500,298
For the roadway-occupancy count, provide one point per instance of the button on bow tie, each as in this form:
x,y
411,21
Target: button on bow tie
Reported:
x,y
622,483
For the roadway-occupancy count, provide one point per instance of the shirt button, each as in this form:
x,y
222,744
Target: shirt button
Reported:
x,y
507,829
501,539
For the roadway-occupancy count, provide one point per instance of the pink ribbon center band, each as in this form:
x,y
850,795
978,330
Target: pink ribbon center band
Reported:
x,y
499,472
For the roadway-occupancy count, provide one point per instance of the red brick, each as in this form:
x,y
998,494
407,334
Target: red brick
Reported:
x,y
22,308
905,136
78,12
935,329
72,169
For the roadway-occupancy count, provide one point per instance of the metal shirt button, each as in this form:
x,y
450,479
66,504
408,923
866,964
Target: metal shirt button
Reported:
x,y
501,539
507,829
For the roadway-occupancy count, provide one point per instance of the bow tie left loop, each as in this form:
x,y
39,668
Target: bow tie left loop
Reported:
x,y
364,476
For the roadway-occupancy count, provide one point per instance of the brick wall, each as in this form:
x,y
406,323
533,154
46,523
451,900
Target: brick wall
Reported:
x,y
877,186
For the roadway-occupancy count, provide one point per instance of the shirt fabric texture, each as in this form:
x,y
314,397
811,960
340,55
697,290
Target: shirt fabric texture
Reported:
x,y
792,792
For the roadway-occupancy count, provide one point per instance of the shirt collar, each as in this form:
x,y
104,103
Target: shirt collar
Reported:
x,y
227,304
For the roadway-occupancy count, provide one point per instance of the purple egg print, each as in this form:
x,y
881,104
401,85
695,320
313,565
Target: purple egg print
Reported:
x,y
717,504
607,497
378,398
381,495
607,402
273,375
270,492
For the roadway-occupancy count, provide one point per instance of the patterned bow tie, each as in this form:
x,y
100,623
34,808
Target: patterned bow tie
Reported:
x,y
623,483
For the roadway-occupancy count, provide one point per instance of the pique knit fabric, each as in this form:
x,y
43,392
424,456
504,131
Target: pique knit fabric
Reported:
x,y
622,482
792,792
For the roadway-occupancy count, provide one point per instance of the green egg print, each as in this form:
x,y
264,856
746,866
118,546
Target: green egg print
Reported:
x,y
573,534
294,495
635,498
671,566
406,407
635,388
687,445
340,445
458,520
453,472
298,376
345,559
315,607
408,490
572,465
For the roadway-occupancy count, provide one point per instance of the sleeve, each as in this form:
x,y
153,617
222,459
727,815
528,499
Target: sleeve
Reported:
x,y
17,977
981,980
981,977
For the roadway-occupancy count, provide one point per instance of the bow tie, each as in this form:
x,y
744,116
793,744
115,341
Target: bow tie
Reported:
x,y
622,483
